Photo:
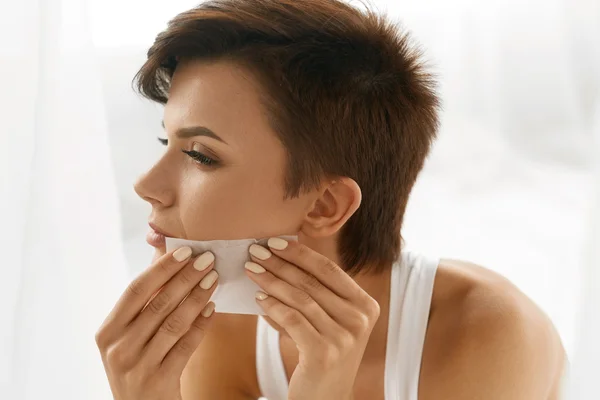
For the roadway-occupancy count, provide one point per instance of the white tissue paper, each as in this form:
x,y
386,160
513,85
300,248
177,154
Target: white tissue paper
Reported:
x,y
235,291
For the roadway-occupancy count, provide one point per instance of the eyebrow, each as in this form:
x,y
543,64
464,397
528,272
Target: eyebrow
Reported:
x,y
184,133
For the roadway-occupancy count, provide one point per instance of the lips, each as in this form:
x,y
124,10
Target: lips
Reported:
x,y
157,237
156,229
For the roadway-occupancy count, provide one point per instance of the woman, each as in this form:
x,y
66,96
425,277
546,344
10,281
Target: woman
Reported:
x,y
307,118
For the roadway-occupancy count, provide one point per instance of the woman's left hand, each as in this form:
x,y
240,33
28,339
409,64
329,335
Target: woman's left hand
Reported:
x,y
325,312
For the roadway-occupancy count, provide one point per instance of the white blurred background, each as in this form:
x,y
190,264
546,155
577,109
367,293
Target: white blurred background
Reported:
x,y
513,182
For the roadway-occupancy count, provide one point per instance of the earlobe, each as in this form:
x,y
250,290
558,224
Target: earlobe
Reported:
x,y
337,202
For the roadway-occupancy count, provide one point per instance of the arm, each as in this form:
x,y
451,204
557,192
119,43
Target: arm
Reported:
x,y
497,345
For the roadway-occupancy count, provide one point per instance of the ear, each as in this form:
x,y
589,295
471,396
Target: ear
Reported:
x,y
337,201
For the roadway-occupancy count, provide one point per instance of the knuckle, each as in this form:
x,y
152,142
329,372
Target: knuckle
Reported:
x,y
185,278
167,265
160,302
374,310
361,322
199,325
117,358
136,288
309,283
329,267
174,325
104,334
370,308
277,265
184,346
303,251
198,296
346,340
291,317
101,339
135,377
302,298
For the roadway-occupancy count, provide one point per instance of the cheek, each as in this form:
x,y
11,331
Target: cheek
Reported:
x,y
226,208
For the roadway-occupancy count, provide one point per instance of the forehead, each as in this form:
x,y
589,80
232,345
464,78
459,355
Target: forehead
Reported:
x,y
220,95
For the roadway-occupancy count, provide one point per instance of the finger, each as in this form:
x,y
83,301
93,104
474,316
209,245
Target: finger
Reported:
x,y
295,324
142,289
321,267
180,353
335,306
178,323
200,271
294,298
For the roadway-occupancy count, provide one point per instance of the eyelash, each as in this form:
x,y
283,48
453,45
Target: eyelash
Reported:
x,y
198,157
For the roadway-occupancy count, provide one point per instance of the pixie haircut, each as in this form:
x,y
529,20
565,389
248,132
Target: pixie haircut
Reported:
x,y
345,90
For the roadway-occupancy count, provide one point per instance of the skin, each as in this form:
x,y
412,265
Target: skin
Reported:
x,y
485,339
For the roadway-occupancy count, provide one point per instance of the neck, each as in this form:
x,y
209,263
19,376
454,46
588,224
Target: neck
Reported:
x,y
378,287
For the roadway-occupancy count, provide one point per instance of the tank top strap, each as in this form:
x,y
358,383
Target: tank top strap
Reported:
x,y
412,283
270,370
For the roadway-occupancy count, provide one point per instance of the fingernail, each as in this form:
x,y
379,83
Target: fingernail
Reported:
x,y
254,267
261,295
182,253
260,252
207,282
277,243
208,310
204,261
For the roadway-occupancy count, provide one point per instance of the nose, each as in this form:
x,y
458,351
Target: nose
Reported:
x,y
152,186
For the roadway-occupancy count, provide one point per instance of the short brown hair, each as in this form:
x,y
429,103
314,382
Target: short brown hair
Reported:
x,y
345,90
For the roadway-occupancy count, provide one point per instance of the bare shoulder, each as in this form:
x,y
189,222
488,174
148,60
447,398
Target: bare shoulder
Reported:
x,y
222,367
486,339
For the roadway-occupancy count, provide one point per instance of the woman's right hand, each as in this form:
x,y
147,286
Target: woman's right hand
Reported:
x,y
153,330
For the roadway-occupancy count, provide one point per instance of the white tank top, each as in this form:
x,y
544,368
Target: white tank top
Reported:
x,y
410,300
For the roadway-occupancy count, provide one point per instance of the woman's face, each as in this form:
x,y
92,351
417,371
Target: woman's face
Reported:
x,y
235,189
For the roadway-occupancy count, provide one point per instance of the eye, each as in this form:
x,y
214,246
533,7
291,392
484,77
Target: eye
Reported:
x,y
200,158
196,155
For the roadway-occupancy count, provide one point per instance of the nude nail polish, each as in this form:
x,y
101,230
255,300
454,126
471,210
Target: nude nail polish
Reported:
x,y
208,310
182,253
204,261
277,243
260,252
254,267
207,282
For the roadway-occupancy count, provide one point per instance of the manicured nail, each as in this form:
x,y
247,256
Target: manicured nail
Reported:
x,y
204,261
208,310
261,295
182,253
207,282
254,267
260,252
277,243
